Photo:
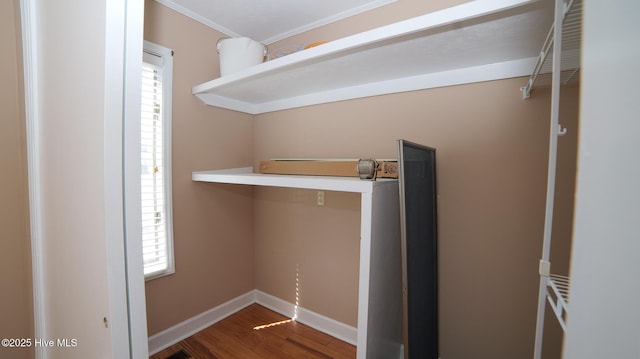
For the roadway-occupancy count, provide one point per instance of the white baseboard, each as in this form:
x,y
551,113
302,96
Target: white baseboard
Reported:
x,y
317,321
187,328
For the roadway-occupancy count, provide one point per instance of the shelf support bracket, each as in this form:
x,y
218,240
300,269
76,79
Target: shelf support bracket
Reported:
x,y
544,268
526,91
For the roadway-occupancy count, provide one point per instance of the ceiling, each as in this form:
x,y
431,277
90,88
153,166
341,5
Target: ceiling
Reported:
x,y
267,21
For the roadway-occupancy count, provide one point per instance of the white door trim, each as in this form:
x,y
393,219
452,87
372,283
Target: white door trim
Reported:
x,y
133,40
29,29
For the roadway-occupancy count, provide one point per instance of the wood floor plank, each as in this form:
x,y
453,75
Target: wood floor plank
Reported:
x,y
344,348
311,345
281,338
198,348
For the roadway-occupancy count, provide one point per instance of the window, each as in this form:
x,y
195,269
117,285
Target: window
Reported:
x,y
155,155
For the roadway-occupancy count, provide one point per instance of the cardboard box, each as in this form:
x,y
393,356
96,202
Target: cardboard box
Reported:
x,y
340,168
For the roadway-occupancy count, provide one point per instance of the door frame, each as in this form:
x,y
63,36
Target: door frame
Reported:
x,y
126,320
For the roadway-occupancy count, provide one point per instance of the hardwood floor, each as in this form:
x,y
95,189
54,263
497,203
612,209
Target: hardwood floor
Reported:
x,y
237,336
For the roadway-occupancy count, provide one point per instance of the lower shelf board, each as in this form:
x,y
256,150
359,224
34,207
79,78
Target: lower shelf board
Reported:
x,y
257,332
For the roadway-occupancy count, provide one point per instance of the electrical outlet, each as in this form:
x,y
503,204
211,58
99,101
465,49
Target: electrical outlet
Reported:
x,y
320,198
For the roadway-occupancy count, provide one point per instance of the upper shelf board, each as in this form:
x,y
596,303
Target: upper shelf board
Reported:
x,y
477,41
246,176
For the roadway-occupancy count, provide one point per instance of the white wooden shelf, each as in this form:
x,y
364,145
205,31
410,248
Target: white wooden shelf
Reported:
x,y
477,41
246,176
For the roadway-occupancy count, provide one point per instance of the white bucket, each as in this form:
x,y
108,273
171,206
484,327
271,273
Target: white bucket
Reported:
x,y
239,53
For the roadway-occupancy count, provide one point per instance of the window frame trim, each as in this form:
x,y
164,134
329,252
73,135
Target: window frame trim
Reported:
x,y
166,55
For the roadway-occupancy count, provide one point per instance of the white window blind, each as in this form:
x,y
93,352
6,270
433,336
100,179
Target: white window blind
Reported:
x,y
155,156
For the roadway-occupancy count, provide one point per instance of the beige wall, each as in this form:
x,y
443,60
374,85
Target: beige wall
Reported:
x,y
16,319
492,157
213,224
309,254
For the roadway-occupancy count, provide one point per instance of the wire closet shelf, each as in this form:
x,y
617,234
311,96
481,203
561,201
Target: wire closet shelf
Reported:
x,y
570,56
557,64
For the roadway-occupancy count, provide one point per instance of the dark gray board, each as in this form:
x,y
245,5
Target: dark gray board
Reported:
x,y
419,238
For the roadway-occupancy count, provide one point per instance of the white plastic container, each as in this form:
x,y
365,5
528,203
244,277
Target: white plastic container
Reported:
x,y
239,53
